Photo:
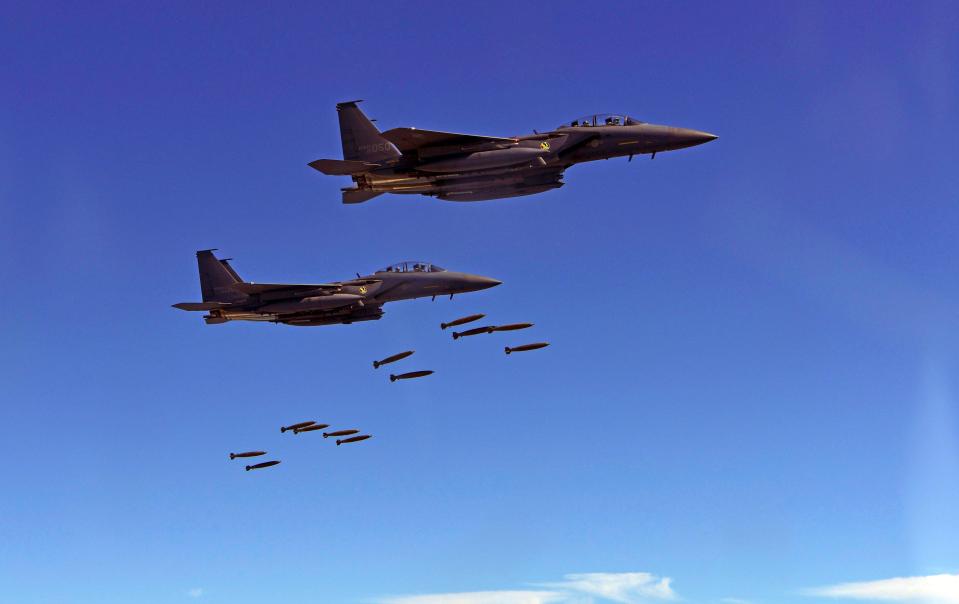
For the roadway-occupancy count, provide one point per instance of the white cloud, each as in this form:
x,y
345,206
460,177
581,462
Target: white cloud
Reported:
x,y
194,592
626,588
933,589
581,588
479,597
646,588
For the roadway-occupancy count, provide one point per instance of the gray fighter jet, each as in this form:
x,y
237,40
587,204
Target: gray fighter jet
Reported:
x,y
469,167
226,297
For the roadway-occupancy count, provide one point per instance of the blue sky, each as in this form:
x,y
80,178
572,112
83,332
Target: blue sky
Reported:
x,y
750,392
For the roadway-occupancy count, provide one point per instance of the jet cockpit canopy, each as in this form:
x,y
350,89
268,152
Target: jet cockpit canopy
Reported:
x,y
412,266
602,119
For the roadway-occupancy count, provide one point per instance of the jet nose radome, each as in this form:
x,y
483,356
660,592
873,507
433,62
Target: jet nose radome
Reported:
x,y
477,282
684,137
486,282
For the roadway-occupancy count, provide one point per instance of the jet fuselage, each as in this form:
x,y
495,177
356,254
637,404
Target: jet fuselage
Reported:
x,y
463,167
227,298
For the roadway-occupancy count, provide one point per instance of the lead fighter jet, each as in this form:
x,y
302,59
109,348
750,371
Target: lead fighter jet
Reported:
x,y
226,297
469,167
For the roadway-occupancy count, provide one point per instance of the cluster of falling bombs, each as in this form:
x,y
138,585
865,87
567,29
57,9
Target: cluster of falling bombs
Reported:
x,y
310,426
351,435
457,335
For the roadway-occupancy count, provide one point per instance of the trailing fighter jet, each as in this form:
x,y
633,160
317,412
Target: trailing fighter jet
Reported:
x,y
469,167
226,297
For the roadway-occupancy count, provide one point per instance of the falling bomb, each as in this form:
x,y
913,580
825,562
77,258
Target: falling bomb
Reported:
x,y
354,439
409,376
296,426
311,428
392,359
473,332
265,464
526,347
247,454
462,321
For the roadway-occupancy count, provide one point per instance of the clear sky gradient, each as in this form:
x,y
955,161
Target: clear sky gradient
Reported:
x,y
751,387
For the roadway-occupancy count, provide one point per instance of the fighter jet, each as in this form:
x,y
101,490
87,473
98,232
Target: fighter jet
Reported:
x,y
227,297
469,167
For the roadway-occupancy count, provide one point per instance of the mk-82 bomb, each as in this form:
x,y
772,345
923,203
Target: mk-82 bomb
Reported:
x,y
511,327
340,433
353,439
311,428
392,359
526,347
265,464
472,332
462,321
247,454
296,426
409,376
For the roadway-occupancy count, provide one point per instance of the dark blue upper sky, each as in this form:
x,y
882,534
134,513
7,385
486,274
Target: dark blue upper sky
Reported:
x,y
750,387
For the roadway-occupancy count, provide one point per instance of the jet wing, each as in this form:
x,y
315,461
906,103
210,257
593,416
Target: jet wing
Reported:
x,y
286,288
412,139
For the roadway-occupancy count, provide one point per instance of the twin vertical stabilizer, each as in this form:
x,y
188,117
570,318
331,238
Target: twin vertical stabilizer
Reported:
x,y
217,278
364,149
361,140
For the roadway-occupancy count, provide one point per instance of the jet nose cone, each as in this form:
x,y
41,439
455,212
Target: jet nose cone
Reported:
x,y
477,282
465,282
705,137
691,138
486,282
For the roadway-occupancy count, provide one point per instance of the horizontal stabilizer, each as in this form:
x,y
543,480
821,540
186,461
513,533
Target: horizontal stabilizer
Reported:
x,y
291,288
358,195
201,305
342,167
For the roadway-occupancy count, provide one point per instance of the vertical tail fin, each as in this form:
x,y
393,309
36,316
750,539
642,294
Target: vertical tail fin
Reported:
x,y
216,277
361,139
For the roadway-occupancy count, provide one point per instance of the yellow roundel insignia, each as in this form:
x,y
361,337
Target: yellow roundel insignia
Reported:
x,y
544,145
362,289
